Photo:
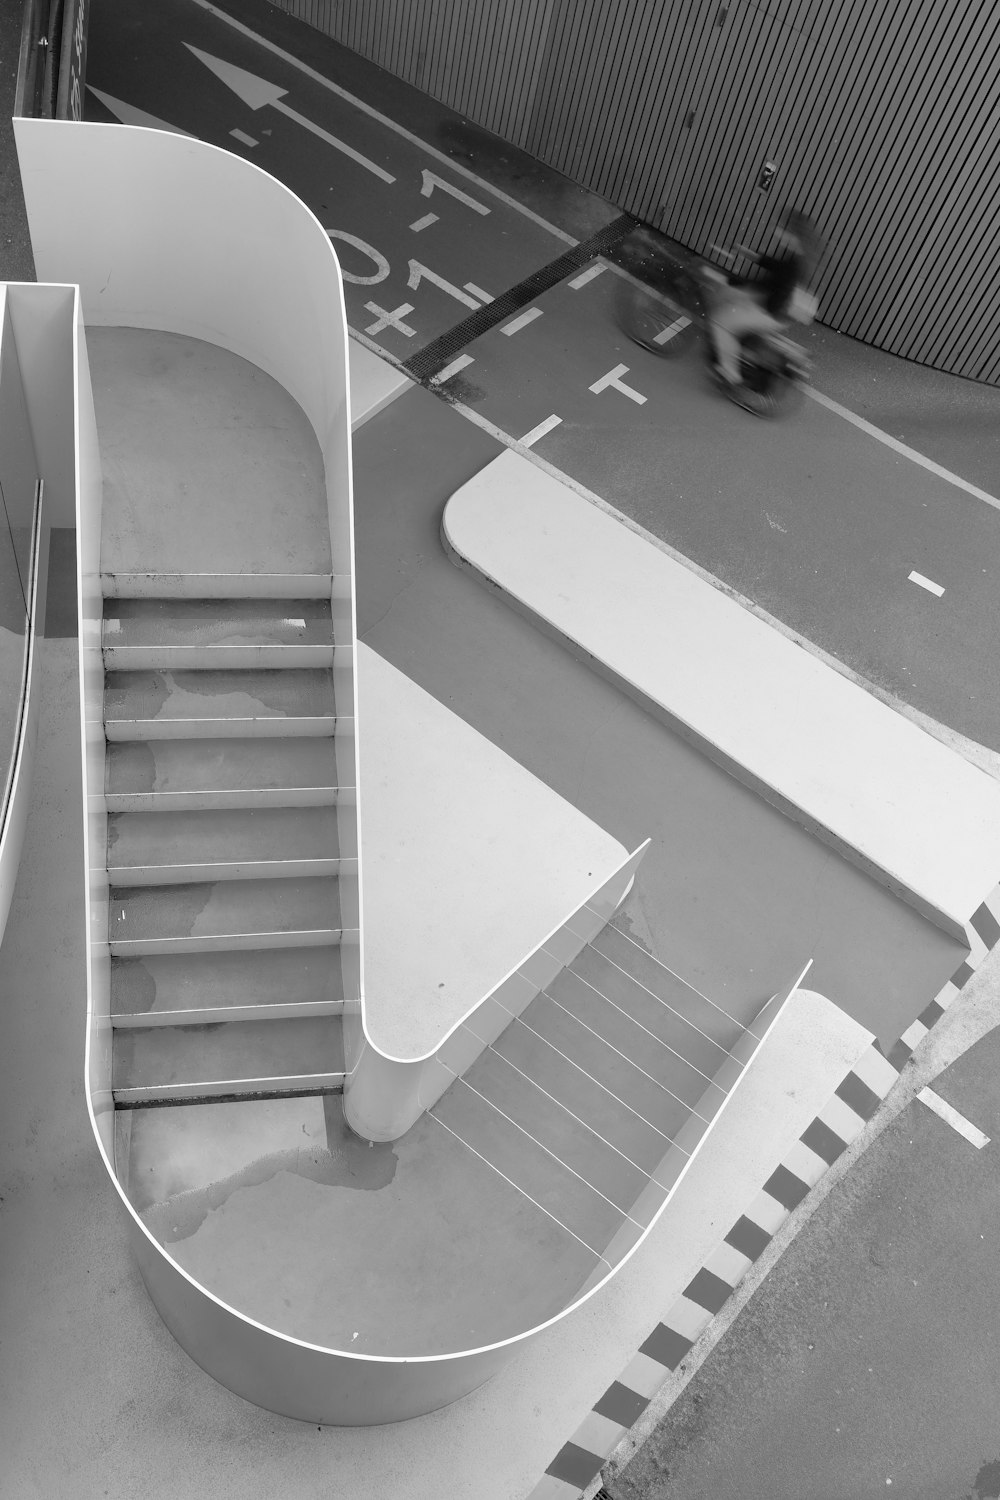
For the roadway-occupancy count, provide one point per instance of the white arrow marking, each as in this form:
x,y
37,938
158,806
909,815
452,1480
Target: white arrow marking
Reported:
x,y
129,115
613,379
256,92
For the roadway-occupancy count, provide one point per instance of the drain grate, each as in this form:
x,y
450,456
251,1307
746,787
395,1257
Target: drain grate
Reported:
x,y
426,363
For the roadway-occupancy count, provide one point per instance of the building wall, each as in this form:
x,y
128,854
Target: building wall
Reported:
x,y
880,117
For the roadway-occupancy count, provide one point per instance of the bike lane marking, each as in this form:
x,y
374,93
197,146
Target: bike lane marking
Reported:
x,y
390,124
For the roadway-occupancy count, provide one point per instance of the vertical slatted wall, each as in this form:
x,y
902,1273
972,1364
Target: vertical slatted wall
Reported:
x,y
882,118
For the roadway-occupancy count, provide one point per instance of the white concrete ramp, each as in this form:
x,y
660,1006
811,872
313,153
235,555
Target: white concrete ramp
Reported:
x,y
886,794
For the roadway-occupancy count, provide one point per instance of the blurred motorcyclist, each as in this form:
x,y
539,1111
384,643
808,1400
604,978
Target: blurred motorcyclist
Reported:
x,y
765,304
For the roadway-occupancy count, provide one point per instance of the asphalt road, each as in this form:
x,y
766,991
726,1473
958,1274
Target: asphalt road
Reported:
x,y
868,1361
813,519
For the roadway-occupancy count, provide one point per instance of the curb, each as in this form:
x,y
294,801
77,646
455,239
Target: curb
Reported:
x,y
577,1465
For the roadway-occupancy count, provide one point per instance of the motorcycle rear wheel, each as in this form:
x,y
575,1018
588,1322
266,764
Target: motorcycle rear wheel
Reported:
x,y
663,322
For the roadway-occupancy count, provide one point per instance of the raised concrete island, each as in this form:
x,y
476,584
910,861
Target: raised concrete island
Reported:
x,y
467,861
886,794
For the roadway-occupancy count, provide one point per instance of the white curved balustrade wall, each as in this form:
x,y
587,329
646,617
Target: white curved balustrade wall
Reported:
x,y
165,232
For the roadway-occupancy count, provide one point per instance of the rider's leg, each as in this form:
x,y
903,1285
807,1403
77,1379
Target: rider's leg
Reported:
x,y
733,318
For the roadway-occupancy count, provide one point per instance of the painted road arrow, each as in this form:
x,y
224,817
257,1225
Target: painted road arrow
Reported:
x,y
128,114
257,92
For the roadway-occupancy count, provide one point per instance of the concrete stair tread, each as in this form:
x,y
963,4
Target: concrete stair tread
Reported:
x,y
637,1140
158,984
226,772
671,988
572,1202
223,908
217,622
174,701
243,1051
619,1075
628,1037
220,836
567,1136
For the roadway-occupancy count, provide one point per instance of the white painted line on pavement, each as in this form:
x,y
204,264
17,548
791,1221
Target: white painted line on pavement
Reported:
x,y
453,166
256,93
241,135
587,275
530,438
393,319
897,446
613,379
521,321
926,583
424,223
452,369
671,330
477,291
952,1117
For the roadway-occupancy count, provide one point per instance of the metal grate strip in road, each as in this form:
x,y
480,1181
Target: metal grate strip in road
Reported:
x,y
433,357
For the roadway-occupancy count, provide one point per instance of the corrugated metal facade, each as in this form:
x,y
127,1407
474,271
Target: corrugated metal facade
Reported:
x,y
881,117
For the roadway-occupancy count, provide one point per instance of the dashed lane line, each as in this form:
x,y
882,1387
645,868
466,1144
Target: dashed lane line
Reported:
x,y
925,583
951,1117
367,109
532,437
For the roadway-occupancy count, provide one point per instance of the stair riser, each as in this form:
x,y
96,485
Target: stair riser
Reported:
x,y
246,799
261,869
229,942
213,1014
215,658
235,1090
216,585
219,729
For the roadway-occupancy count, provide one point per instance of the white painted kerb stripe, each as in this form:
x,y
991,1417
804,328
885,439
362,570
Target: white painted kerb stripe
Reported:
x,y
953,1118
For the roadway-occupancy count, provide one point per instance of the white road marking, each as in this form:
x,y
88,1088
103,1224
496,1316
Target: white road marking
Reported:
x,y
424,223
392,319
898,447
521,321
672,329
587,275
532,437
419,273
952,1117
926,583
452,369
430,180
477,291
241,135
257,92
374,114
375,256
612,378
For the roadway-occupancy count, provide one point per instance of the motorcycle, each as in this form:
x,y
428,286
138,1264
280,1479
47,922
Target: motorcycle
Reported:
x,y
666,311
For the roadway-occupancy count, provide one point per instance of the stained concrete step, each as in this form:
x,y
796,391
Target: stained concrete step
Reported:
x,y
561,1131
179,988
573,1203
174,775
241,1060
159,585
151,634
629,1081
218,704
224,915
613,950
159,848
